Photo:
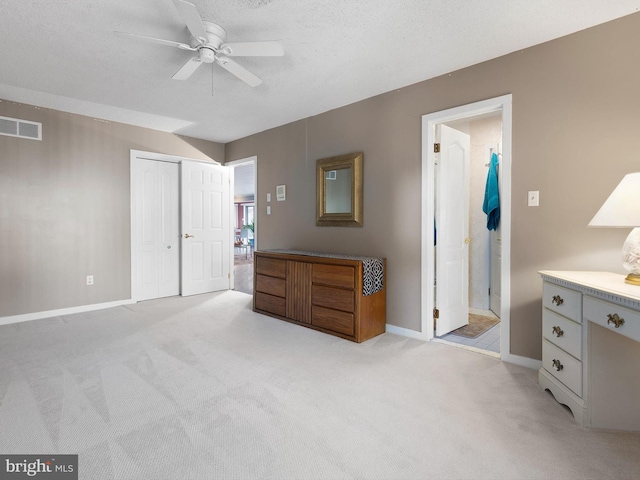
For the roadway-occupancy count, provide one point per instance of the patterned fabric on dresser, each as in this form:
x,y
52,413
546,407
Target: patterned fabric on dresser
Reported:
x,y
372,268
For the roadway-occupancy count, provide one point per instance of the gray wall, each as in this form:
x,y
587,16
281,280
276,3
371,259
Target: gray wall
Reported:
x,y
64,208
576,118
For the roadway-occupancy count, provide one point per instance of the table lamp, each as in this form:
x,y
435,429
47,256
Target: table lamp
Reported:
x,y
622,209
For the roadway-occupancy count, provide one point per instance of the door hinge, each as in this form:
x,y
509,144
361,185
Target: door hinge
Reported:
x,y
436,313
229,276
436,148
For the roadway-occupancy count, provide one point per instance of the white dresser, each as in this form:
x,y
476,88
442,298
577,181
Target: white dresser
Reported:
x,y
591,347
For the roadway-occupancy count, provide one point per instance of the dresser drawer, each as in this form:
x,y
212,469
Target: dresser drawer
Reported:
x,y
563,301
342,322
270,303
335,298
271,285
334,275
604,313
273,267
570,372
562,332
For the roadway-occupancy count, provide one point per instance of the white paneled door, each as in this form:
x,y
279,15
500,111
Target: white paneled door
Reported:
x,y
452,227
156,235
206,227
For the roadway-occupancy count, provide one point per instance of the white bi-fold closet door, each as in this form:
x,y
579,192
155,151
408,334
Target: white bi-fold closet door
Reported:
x,y
157,235
181,227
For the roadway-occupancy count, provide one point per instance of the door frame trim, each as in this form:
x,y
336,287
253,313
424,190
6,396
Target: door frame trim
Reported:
x,y
159,157
427,274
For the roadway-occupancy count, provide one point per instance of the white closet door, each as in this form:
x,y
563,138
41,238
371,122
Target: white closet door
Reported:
x,y
206,228
156,237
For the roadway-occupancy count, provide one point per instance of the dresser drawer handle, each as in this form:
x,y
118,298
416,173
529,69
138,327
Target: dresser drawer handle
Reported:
x,y
557,365
557,299
557,331
615,319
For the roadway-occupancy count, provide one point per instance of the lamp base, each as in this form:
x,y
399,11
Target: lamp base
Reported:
x,y
632,279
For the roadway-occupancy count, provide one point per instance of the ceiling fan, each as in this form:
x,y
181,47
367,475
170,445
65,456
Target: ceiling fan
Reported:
x,y
208,41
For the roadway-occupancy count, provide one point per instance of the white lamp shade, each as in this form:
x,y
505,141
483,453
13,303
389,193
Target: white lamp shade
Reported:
x,y
622,208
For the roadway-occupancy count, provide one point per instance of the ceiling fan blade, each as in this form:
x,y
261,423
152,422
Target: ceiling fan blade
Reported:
x,y
160,41
240,72
187,69
191,17
253,49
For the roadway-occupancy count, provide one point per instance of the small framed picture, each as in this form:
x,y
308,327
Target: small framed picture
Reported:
x,y
281,193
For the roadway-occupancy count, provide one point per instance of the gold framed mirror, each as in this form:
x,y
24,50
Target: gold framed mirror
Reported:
x,y
339,191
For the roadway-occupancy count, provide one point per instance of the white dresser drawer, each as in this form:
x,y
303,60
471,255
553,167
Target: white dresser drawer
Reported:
x,y
562,332
604,313
562,366
563,301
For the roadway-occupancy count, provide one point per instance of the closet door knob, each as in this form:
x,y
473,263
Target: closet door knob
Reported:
x,y
467,240
186,235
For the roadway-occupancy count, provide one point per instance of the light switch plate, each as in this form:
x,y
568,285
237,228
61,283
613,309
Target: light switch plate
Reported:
x,y
533,198
268,209
268,197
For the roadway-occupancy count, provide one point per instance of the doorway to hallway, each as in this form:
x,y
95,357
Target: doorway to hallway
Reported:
x,y
245,222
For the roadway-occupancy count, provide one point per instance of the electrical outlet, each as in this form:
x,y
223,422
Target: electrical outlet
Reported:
x,y
89,279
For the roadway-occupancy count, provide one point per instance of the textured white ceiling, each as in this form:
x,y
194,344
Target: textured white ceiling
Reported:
x,y
62,54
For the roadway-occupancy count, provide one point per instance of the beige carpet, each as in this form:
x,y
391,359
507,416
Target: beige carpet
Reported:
x,y
478,324
203,388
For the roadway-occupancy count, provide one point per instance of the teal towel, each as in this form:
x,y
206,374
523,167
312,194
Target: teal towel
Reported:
x,y
491,205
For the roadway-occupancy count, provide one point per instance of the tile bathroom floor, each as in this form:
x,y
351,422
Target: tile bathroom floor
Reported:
x,y
489,340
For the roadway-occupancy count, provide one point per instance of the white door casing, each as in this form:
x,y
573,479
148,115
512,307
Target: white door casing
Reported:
x,y
156,229
501,104
452,225
206,228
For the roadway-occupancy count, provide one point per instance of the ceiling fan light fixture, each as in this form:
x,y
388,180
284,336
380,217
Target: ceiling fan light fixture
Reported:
x,y
207,55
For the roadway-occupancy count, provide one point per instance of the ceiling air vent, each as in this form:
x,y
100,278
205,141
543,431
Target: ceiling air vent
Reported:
x,y
14,127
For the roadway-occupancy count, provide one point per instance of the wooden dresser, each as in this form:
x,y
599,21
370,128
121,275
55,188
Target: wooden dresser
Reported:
x,y
591,347
336,294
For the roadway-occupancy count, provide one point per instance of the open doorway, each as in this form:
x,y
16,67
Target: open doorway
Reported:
x,y
482,237
463,262
245,237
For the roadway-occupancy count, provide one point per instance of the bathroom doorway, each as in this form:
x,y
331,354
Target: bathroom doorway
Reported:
x,y
469,288
481,328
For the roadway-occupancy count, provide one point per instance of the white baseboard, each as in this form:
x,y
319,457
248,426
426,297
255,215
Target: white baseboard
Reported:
x,y
405,332
522,361
508,357
62,311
